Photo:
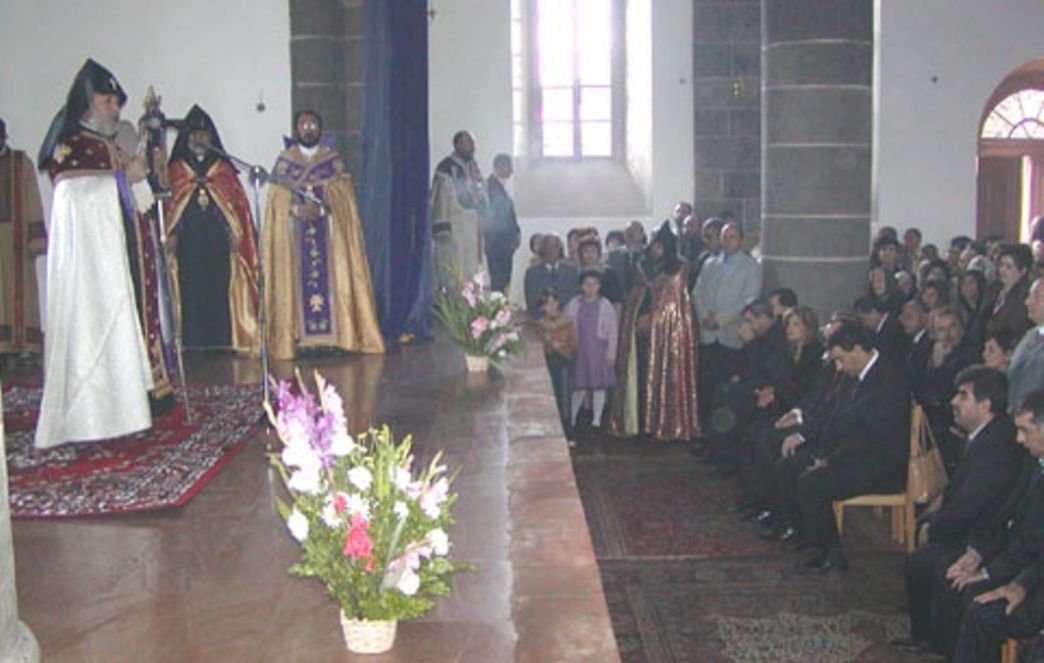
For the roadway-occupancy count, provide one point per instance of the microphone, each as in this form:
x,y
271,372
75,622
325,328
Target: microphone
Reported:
x,y
164,123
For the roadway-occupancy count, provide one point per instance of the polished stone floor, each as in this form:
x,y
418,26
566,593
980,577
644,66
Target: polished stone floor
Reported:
x,y
207,582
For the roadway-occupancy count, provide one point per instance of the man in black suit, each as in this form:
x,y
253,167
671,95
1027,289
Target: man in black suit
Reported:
x,y
864,447
981,495
886,332
552,272
500,225
914,319
1002,595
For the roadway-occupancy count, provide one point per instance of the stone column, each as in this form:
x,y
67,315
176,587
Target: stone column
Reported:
x,y
327,67
17,644
817,60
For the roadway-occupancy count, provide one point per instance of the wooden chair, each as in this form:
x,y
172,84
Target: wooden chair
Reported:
x,y
902,505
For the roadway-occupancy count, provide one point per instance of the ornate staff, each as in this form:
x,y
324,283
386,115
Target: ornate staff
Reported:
x,y
153,127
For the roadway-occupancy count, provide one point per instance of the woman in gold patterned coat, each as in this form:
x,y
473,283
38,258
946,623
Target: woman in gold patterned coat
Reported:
x,y
656,363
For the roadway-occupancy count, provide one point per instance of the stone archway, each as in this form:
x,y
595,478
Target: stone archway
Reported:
x,y
1010,176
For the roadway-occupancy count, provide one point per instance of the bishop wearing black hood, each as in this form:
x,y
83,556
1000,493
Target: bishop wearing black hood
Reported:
x,y
96,366
211,242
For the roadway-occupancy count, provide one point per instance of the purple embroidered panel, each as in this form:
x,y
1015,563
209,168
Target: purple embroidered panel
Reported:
x,y
315,274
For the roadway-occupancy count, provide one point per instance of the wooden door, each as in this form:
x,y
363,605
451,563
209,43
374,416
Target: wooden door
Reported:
x,y
1000,197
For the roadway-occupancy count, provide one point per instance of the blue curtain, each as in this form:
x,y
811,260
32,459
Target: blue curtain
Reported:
x,y
395,164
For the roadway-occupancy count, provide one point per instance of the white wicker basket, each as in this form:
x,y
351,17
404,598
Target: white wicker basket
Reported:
x,y
363,636
477,364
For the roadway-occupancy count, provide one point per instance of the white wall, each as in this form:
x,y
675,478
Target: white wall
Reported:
x,y
926,132
220,54
672,105
469,86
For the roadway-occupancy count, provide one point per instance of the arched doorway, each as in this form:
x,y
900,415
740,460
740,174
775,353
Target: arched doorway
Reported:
x,y
1011,155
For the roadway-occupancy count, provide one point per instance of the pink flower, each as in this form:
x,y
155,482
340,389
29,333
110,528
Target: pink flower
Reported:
x,y
502,318
478,326
358,544
340,502
499,342
469,294
433,497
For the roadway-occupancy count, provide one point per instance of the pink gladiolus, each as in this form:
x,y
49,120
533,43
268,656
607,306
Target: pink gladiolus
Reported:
x,y
469,294
478,326
358,544
499,342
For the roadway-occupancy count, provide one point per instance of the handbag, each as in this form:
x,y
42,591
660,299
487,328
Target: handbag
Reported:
x,y
927,474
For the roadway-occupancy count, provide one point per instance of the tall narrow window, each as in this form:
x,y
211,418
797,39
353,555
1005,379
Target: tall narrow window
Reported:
x,y
568,100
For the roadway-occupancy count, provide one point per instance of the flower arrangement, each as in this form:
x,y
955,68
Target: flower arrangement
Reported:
x,y
480,320
371,529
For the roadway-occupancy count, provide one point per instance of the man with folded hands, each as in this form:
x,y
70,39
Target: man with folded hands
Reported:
x,y
981,495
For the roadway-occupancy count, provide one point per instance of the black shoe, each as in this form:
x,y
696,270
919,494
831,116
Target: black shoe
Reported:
x,y
750,516
772,532
725,471
791,538
910,644
744,504
832,559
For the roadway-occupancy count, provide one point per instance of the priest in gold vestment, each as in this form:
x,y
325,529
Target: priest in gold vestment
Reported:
x,y
22,238
317,277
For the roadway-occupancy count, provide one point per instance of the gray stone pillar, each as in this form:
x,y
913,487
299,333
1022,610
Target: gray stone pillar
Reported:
x,y
17,644
327,68
817,60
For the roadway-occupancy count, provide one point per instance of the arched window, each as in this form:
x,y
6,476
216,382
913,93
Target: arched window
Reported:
x,y
1019,116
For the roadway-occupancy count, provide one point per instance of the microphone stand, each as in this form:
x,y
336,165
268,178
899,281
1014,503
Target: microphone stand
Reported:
x,y
258,176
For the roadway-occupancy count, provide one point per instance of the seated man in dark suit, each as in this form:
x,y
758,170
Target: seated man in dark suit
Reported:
x,y
552,272
779,454
764,365
886,332
1007,588
982,493
864,447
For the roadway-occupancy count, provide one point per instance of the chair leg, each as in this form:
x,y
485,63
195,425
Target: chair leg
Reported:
x,y
911,527
896,515
839,517
1010,651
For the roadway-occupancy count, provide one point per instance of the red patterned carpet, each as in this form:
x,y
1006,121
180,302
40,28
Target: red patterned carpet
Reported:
x,y
686,581
161,468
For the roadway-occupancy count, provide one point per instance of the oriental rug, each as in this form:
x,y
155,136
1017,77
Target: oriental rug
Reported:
x,y
685,580
160,468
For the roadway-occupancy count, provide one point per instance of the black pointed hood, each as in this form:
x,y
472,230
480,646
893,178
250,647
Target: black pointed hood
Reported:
x,y
196,119
92,79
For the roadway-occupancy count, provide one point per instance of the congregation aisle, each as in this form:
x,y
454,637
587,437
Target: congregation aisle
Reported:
x,y
685,580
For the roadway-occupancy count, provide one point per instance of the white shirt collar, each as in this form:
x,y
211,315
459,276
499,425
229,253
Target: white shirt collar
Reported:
x,y
869,365
975,433
308,151
919,335
880,325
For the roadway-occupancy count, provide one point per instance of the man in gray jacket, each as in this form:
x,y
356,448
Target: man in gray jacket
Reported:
x,y
1026,371
727,283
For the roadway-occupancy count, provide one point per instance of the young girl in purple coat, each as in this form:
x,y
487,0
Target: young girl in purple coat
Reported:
x,y
596,331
